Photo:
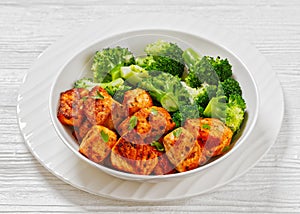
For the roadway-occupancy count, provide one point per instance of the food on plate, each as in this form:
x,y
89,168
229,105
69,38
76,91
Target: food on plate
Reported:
x,y
97,143
136,99
97,106
70,110
169,111
133,157
212,135
183,150
146,125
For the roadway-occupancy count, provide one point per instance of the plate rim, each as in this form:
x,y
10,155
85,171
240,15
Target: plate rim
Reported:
x,y
118,18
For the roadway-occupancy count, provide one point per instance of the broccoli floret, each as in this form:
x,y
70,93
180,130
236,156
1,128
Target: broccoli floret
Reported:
x,y
228,87
231,112
110,87
202,95
163,56
166,89
221,66
235,112
106,60
186,112
205,69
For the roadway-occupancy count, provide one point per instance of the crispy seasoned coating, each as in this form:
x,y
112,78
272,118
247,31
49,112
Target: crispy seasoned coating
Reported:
x,y
182,149
146,125
97,143
192,161
164,166
134,157
98,106
81,129
70,110
118,114
136,99
211,134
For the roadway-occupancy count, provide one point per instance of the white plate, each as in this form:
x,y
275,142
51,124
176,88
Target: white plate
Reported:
x,y
42,140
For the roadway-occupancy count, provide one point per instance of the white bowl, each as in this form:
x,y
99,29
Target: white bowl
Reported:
x,y
79,66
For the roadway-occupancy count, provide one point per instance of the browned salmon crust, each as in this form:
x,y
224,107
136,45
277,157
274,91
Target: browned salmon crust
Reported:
x,y
133,157
164,166
97,143
98,106
211,134
182,150
146,125
81,129
70,110
136,99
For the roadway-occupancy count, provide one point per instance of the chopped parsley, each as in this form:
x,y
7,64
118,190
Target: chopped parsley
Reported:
x,y
104,136
206,126
158,146
132,123
177,132
98,96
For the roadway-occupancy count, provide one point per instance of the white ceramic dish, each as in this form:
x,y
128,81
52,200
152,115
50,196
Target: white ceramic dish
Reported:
x,y
136,41
42,140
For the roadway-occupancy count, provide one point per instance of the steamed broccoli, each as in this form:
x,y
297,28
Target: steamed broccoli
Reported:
x,y
106,60
166,89
163,56
110,87
205,69
133,74
186,112
228,87
201,95
221,66
231,112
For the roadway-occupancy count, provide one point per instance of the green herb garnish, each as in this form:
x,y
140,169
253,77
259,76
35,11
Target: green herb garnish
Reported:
x,y
177,132
104,136
132,123
98,96
158,146
206,126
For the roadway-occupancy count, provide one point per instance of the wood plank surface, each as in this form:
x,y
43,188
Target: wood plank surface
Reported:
x,y
29,27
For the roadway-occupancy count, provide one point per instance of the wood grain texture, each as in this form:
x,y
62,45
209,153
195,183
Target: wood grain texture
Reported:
x,y
28,27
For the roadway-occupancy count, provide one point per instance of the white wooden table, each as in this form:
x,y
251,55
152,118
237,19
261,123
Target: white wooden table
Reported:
x,y
28,27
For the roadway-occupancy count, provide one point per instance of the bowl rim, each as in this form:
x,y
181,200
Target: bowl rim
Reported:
x,y
137,177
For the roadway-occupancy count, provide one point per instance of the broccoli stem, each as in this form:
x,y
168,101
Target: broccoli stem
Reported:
x,y
216,108
169,102
190,57
114,83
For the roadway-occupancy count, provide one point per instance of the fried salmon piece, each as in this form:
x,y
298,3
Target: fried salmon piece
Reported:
x,y
182,150
70,110
136,99
146,125
134,157
81,129
164,166
212,135
98,106
118,115
97,143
